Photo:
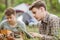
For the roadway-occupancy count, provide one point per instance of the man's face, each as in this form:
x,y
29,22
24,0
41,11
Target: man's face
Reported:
x,y
11,18
37,13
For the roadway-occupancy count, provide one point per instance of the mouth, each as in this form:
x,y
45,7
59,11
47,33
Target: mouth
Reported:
x,y
38,19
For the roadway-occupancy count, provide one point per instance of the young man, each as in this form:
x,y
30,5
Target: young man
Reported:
x,y
13,25
49,23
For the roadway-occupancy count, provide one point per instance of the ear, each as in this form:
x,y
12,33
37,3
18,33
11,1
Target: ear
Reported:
x,y
42,8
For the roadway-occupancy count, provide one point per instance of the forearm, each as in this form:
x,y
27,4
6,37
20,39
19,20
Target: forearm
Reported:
x,y
28,35
40,35
54,37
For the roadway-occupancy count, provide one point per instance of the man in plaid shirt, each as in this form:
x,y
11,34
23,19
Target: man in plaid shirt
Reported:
x,y
49,27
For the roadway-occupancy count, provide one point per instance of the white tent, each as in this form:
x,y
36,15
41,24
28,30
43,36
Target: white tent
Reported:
x,y
25,8
22,7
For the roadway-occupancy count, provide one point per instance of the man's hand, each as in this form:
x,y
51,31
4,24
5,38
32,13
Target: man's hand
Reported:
x,y
36,34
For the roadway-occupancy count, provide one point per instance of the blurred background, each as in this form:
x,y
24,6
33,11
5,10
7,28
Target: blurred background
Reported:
x,y
53,6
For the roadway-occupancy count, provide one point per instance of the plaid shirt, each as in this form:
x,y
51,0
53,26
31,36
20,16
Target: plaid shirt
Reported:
x,y
50,25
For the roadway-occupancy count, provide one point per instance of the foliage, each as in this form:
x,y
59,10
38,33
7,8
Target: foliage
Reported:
x,y
2,7
53,5
23,1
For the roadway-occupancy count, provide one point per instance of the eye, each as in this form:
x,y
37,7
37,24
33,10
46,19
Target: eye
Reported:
x,y
8,17
34,12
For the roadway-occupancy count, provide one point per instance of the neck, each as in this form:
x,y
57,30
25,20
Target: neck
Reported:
x,y
44,15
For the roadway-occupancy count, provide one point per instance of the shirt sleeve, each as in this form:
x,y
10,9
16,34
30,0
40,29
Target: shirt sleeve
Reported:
x,y
1,24
23,29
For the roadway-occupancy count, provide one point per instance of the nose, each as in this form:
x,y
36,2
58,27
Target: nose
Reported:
x,y
9,19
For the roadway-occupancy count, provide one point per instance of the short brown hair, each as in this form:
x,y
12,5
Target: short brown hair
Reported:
x,y
10,11
38,4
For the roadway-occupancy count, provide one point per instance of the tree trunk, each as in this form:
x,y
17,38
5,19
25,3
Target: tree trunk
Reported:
x,y
6,3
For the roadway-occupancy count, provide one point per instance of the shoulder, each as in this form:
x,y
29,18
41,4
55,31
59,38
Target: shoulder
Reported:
x,y
21,23
3,22
53,17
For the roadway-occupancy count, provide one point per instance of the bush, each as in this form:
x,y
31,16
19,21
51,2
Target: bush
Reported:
x,y
23,1
58,7
2,7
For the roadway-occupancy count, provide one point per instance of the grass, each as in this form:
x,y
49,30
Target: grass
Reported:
x,y
1,15
33,29
55,13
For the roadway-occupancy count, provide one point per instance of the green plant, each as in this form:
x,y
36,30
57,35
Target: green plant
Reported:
x,y
2,7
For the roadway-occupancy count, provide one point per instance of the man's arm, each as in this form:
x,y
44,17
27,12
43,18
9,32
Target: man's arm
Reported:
x,y
23,28
54,29
34,34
